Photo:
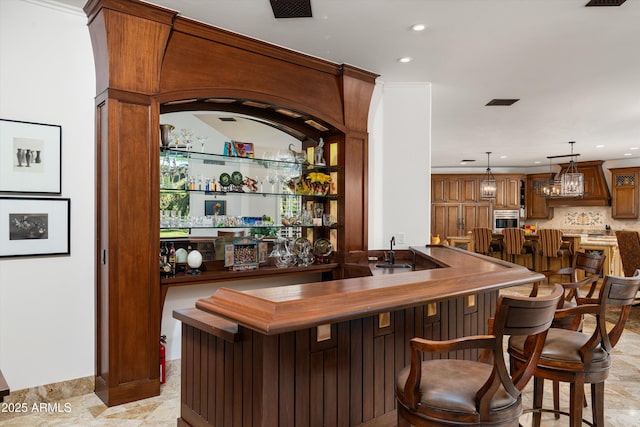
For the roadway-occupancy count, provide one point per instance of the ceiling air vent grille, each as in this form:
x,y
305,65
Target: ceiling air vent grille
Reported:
x,y
291,8
501,102
604,3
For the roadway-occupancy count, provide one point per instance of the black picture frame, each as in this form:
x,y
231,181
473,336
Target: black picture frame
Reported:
x,y
31,227
30,157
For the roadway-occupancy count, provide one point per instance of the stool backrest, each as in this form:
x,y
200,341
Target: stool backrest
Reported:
x,y
481,239
513,239
550,241
629,244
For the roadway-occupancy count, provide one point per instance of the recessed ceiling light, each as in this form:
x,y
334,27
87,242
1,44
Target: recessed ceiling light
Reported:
x,y
600,146
537,162
633,148
405,59
418,27
503,156
627,154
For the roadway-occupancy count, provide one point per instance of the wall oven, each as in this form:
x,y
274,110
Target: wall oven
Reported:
x,y
505,219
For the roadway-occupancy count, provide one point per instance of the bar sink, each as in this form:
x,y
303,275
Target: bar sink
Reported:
x,y
394,266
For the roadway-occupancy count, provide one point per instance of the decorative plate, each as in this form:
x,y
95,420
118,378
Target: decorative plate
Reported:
x,y
236,178
300,245
225,179
322,247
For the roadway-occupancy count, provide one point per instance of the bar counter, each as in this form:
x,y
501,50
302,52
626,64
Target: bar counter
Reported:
x,y
327,353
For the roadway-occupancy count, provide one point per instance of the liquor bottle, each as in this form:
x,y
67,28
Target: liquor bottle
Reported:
x,y
172,258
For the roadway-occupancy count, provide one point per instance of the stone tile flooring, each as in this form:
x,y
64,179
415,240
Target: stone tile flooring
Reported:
x,y
622,400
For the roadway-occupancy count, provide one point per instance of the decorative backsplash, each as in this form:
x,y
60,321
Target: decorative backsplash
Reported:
x,y
582,219
588,218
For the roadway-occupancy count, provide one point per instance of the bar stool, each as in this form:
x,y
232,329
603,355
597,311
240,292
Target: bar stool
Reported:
x,y
483,241
514,245
450,392
579,358
552,246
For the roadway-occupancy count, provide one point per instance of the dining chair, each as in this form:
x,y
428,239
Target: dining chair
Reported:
x,y
552,246
576,357
514,245
448,392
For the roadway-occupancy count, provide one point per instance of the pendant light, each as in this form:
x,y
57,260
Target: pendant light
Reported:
x,y
488,187
552,187
572,180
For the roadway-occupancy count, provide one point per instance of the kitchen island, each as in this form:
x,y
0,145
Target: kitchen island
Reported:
x,y
327,353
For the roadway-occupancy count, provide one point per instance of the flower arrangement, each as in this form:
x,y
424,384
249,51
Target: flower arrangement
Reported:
x,y
313,184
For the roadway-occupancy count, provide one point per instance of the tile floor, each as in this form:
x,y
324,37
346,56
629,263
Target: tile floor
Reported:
x,y
622,401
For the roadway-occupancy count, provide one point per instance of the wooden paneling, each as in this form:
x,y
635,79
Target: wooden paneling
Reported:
x,y
347,383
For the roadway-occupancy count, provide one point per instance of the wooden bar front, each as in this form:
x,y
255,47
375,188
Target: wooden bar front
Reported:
x,y
327,353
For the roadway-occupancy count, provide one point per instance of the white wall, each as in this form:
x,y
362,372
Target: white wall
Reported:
x,y
47,303
400,164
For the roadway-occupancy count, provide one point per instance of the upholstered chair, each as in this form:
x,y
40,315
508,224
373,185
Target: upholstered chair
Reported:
x,y
576,357
446,392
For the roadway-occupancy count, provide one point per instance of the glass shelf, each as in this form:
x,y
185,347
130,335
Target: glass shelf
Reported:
x,y
245,193
221,160
248,226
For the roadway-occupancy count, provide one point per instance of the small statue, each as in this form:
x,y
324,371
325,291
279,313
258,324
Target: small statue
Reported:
x,y
318,154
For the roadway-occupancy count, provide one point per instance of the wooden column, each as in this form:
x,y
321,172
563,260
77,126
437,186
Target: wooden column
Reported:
x,y
128,49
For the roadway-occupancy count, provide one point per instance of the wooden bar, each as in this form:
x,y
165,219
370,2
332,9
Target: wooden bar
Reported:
x,y
299,375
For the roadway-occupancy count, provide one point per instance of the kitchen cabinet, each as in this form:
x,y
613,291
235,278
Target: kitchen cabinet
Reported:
x,y
624,186
458,219
508,191
455,188
536,205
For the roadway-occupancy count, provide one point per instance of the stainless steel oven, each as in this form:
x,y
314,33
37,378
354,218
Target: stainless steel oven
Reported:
x,y
505,219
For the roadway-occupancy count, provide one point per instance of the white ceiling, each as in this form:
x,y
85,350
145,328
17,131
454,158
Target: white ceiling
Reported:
x,y
575,69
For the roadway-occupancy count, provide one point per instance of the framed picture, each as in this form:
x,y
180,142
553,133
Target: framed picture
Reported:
x,y
34,227
215,207
30,157
243,149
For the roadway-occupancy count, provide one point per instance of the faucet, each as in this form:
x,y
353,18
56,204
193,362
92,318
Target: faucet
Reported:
x,y
391,256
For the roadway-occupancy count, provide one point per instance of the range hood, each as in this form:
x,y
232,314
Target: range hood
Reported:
x,y
596,191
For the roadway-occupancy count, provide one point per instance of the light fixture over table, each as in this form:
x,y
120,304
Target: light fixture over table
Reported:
x,y
488,187
570,183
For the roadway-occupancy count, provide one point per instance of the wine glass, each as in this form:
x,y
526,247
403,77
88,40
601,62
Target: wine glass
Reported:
x,y
202,141
272,179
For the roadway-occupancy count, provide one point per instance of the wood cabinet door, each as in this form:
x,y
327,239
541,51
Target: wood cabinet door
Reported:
x,y
624,202
445,189
445,220
508,194
469,189
537,205
475,215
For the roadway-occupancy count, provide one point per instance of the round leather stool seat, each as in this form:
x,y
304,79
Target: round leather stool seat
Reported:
x,y
451,385
561,345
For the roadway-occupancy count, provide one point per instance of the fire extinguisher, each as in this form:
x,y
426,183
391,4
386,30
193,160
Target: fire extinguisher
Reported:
x,y
163,364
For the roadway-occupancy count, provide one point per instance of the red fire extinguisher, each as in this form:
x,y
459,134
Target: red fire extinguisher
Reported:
x,y
163,364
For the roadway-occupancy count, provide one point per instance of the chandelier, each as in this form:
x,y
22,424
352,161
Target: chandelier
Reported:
x,y
488,187
570,182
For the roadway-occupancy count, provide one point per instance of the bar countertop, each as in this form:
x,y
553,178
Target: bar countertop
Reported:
x,y
281,309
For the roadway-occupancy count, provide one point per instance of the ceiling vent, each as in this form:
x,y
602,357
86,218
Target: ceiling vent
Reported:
x,y
593,3
291,8
227,119
501,102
